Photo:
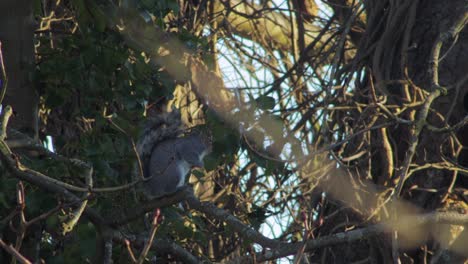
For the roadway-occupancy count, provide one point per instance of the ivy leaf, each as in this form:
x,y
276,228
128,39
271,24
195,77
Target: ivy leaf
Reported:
x,y
273,124
266,102
199,174
99,17
3,201
211,161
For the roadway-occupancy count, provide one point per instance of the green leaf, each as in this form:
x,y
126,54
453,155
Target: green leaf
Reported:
x,y
256,138
199,174
260,161
82,12
52,222
271,165
273,125
100,19
266,102
37,10
3,201
211,161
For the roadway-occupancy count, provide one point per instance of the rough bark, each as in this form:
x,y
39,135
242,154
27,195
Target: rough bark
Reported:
x,y
16,35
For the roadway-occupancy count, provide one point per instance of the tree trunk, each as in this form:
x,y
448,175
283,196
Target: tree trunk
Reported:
x,y
16,35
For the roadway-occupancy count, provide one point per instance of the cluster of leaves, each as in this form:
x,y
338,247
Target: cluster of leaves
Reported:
x,y
95,92
88,77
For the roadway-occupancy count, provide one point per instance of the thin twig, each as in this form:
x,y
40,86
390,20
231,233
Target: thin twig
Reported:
x,y
3,85
149,242
10,249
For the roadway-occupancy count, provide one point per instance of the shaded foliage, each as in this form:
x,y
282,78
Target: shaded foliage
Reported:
x,y
332,124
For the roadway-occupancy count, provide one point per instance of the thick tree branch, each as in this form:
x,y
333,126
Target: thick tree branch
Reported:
x,y
357,234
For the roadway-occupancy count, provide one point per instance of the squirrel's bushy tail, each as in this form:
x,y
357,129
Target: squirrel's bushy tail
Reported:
x,y
157,129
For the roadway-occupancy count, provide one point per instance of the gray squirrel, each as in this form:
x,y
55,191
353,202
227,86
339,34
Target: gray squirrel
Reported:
x,y
167,155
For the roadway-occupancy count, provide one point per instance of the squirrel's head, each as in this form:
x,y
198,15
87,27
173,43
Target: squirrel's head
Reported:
x,y
197,147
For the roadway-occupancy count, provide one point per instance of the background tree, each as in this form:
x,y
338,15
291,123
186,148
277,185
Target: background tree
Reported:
x,y
338,131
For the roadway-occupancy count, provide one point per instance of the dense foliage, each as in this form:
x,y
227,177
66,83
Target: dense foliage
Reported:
x,y
338,132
